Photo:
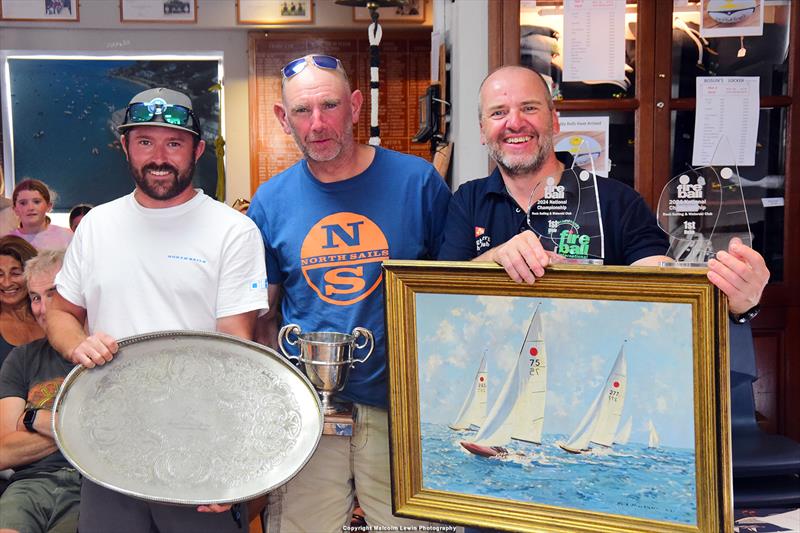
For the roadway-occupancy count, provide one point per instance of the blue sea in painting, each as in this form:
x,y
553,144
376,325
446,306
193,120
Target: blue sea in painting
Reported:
x,y
630,479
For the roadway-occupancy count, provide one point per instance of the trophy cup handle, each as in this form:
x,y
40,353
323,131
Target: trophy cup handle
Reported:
x,y
283,335
368,339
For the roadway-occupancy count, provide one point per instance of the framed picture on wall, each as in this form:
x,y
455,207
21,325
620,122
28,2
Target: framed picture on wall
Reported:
x,y
70,107
412,12
158,11
274,11
66,10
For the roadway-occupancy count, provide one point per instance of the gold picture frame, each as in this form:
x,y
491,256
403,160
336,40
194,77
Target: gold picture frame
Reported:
x,y
670,327
278,12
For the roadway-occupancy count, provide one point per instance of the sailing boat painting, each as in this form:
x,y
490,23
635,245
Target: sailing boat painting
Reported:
x,y
624,434
599,425
473,412
518,413
555,401
652,436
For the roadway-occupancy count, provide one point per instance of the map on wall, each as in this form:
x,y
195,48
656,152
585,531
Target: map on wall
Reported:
x,y
65,113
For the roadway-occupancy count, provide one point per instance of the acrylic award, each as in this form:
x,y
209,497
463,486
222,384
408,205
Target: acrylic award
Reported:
x,y
702,209
566,214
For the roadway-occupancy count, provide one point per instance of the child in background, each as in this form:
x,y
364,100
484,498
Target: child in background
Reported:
x,y
32,202
76,214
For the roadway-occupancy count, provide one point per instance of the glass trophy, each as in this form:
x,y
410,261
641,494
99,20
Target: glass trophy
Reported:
x,y
566,215
702,209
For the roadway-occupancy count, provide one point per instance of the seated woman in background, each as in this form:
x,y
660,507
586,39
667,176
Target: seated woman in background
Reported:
x,y
32,202
18,326
76,214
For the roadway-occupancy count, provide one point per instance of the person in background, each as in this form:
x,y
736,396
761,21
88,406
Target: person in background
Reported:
x,y
44,491
76,214
164,257
353,206
18,326
32,201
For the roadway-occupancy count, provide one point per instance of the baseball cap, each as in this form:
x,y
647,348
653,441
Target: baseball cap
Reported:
x,y
161,107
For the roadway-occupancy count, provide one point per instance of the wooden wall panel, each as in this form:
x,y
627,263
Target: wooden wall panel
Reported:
x,y
766,388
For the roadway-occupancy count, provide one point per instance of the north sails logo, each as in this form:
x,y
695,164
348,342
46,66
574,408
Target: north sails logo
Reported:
x,y
341,258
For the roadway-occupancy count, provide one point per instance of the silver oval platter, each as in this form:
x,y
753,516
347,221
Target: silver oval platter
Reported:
x,y
188,418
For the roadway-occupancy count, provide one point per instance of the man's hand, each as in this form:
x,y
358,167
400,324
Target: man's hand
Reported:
x,y
741,274
214,508
97,349
522,256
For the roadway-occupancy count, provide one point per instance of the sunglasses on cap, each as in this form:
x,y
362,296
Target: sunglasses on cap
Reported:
x,y
174,114
296,66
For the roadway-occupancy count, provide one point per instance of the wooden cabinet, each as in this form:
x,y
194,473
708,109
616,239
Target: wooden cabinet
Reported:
x,y
652,121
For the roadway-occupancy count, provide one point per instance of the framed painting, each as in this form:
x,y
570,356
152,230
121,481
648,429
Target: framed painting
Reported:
x,y
49,10
184,11
413,11
274,11
594,400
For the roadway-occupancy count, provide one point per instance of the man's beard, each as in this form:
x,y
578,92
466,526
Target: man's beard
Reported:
x,y
318,157
520,167
163,189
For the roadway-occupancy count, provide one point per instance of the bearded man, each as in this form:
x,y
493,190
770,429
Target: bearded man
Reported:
x,y
164,257
488,218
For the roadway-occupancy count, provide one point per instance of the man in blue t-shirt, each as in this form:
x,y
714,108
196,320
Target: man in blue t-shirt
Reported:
x,y
328,222
487,217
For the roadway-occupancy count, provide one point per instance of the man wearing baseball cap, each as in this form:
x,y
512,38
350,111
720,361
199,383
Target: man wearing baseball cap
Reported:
x,y
164,257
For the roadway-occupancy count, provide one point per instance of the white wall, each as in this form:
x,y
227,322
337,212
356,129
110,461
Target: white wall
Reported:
x,y
463,23
100,30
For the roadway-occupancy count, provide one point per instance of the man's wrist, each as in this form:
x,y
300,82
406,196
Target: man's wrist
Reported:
x,y
29,419
747,316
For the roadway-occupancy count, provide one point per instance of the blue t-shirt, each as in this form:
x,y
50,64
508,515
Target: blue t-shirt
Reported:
x,y
483,215
325,244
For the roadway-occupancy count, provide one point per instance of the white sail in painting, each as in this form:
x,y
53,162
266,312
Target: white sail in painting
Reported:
x,y
599,424
473,412
625,432
652,439
518,412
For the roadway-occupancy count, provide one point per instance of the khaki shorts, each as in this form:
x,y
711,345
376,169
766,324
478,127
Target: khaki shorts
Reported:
x,y
46,501
320,497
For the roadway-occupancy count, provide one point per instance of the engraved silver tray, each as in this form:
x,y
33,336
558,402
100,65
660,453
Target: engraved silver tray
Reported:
x,y
190,418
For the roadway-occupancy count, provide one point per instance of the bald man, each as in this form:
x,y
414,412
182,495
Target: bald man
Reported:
x,y
328,222
487,218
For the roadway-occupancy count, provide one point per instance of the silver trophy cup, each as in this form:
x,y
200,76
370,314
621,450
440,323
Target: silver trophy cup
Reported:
x,y
327,358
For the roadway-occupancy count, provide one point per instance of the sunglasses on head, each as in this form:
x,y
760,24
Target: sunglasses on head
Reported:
x,y
297,65
174,114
